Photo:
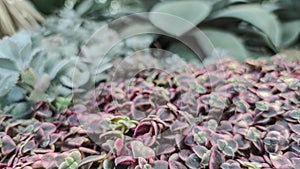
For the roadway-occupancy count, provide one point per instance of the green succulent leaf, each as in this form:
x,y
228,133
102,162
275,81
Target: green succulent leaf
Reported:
x,y
16,94
290,32
17,48
224,44
108,164
7,82
257,16
8,64
19,110
62,103
175,19
57,68
262,106
29,76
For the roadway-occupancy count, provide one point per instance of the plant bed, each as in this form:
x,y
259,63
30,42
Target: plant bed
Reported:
x,y
226,115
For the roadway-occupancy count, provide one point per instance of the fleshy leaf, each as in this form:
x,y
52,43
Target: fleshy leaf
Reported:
x,y
91,159
225,44
140,150
175,20
8,145
257,16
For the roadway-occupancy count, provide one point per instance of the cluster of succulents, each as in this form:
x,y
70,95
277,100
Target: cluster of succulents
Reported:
x,y
226,115
39,66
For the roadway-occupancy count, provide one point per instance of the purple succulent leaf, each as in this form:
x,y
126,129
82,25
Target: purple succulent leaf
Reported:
x,y
282,129
180,141
140,150
143,128
119,146
176,165
30,145
191,140
295,128
174,157
12,160
242,142
54,137
7,145
230,164
160,164
193,161
91,159
88,150
217,101
294,114
257,159
290,155
48,128
165,149
216,159
199,150
215,114
272,113
296,161
225,125
253,134
279,160
184,154
242,106
48,160
142,162
77,141
178,125
166,115
111,135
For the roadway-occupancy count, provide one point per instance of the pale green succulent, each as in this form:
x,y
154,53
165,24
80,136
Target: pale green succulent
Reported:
x,y
37,68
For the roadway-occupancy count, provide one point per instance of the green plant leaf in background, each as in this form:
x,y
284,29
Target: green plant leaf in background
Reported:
x,y
191,11
257,16
224,43
290,32
7,82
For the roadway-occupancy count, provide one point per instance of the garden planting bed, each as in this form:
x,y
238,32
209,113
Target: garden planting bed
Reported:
x,y
228,115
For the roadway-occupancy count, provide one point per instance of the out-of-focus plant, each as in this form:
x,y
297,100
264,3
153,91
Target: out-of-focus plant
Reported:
x,y
48,6
17,14
39,66
240,28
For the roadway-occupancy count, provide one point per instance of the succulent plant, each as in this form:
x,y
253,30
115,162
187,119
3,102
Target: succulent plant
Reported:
x,y
247,117
239,22
243,117
39,66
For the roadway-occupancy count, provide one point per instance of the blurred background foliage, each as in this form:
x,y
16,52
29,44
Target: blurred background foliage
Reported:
x,y
240,28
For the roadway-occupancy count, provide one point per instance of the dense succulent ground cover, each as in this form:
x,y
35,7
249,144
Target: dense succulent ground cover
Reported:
x,y
226,115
